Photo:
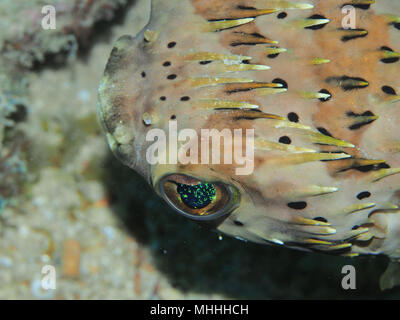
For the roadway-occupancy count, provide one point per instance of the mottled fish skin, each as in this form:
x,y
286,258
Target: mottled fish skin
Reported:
x,y
327,140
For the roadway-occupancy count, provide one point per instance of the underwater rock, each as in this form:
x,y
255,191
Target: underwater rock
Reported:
x,y
25,43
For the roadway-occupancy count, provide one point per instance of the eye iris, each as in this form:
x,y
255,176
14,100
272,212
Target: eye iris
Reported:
x,y
196,196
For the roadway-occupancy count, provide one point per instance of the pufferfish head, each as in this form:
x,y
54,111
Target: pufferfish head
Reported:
x,y
304,111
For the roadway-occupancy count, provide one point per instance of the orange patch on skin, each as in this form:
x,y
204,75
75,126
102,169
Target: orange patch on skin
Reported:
x,y
356,59
213,10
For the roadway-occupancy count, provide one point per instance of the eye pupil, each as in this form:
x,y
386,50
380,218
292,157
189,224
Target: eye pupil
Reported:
x,y
196,196
196,199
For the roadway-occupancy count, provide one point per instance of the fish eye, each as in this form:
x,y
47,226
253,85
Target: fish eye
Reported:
x,y
197,199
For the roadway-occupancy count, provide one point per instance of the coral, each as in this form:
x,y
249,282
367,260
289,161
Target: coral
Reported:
x,y
12,111
24,42
23,45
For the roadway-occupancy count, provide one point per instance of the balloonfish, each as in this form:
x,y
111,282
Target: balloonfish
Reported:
x,y
271,121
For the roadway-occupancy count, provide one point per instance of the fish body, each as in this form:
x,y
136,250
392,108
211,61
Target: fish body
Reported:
x,y
321,100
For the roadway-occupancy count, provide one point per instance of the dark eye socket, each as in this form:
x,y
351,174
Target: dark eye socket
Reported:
x,y
196,199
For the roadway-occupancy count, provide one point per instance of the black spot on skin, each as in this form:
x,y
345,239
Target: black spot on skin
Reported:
x,y
166,64
281,81
171,77
293,117
274,55
346,83
324,131
239,43
372,167
171,44
365,114
238,90
205,62
245,114
282,15
254,34
245,61
360,125
388,90
368,114
383,166
143,74
334,151
185,98
363,195
389,60
245,8
358,6
285,140
163,98
238,223
353,36
300,205
322,219
326,92
257,35
319,26
365,168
